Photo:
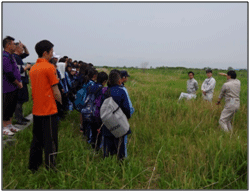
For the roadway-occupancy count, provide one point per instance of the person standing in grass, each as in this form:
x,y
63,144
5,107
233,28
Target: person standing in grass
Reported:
x,y
192,87
44,85
208,86
124,78
111,144
98,89
11,83
231,91
86,123
22,52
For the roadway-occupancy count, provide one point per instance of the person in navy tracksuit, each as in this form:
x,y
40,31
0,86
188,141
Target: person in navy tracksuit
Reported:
x,y
87,125
111,144
97,122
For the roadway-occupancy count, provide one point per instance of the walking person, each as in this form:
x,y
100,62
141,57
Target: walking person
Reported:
x,y
11,83
22,52
192,87
45,90
231,91
208,86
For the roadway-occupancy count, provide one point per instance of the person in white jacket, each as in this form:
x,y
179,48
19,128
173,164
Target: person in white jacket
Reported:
x,y
192,87
208,86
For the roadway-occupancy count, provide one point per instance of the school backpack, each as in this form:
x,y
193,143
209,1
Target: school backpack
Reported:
x,y
97,103
88,109
80,97
113,117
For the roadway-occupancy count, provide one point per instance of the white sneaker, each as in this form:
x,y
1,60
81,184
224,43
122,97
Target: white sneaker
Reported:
x,y
13,128
6,131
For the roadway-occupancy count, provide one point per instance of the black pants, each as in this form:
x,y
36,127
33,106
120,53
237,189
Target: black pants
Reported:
x,y
45,137
19,112
96,138
9,104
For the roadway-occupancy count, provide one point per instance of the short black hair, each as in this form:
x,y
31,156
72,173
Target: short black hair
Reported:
x,y
118,71
209,70
43,46
62,60
190,72
7,40
113,78
65,57
91,73
232,74
102,76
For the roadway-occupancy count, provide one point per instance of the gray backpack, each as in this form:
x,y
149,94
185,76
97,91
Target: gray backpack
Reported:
x,y
113,118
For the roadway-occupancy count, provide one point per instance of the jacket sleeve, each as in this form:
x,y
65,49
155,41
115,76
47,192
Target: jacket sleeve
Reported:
x,y
125,104
196,85
223,91
202,86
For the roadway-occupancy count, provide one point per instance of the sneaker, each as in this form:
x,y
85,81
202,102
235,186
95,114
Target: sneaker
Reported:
x,y
6,131
13,128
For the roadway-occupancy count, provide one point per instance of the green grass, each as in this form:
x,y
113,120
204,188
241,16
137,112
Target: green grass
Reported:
x,y
173,145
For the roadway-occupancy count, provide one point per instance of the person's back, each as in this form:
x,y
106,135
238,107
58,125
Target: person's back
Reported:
x,y
43,99
233,87
114,145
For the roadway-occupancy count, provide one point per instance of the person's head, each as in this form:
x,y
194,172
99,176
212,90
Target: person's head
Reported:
x,y
75,62
73,71
19,49
191,74
83,69
209,73
231,74
124,76
9,44
92,74
114,78
68,68
62,60
66,58
53,61
90,64
102,78
70,60
44,49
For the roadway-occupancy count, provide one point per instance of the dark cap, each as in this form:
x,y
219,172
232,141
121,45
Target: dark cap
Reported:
x,y
209,70
124,73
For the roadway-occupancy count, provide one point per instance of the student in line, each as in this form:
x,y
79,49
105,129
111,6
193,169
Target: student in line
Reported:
x,y
192,87
86,123
111,144
98,89
231,91
208,86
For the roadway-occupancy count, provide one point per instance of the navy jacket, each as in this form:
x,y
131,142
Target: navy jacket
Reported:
x,y
120,97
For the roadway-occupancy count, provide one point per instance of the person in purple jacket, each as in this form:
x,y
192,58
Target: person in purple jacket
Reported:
x,y
11,83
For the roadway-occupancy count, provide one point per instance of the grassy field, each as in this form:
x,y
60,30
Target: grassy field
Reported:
x,y
173,145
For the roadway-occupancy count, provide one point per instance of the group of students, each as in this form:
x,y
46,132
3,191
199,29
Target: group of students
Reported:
x,y
230,91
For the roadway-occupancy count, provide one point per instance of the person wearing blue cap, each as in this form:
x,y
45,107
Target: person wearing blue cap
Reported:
x,y
124,76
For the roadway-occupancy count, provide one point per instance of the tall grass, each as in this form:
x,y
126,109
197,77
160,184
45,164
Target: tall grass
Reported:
x,y
174,145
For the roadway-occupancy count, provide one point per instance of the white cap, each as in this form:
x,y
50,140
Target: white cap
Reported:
x,y
55,55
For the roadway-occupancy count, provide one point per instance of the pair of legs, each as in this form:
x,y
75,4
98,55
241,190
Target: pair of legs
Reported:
x,y
227,115
187,96
116,146
9,106
45,138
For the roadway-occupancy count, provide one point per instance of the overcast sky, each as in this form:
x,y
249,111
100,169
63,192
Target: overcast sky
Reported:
x,y
194,35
